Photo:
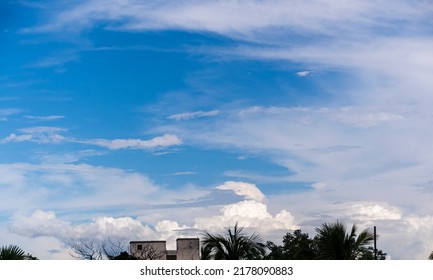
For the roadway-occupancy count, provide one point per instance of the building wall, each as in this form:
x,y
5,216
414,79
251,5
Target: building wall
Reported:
x,y
188,248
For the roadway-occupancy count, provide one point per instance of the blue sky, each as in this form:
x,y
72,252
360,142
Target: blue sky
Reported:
x,y
158,119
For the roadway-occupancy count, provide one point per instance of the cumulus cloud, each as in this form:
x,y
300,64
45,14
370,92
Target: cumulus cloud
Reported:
x,y
45,223
193,115
393,226
250,214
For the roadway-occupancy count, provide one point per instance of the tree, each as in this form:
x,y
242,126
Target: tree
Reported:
x,y
123,256
86,250
235,245
13,252
296,246
335,243
205,253
148,252
368,254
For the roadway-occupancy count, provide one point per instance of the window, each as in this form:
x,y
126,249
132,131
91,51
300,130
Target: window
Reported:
x,y
139,247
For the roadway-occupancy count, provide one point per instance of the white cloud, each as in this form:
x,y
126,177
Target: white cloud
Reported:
x,y
180,173
249,214
75,187
372,140
14,138
9,111
249,191
40,135
257,177
252,215
45,223
193,115
352,116
393,225
164,141
51,135
319,185
246,19
303,73
44,118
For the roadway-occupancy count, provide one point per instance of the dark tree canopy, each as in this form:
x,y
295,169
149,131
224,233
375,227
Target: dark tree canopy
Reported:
x,y
332,242
296,246
234,245
336,243
13,252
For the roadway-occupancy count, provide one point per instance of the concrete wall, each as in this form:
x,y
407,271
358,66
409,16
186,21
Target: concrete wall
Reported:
x,y
188,248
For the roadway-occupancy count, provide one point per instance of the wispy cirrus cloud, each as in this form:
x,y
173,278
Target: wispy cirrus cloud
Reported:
x,y
193,115
44,118
52,135
6,112
236,18
40,134
164,141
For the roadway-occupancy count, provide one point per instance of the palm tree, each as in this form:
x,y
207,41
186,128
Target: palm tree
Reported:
x,y
335,243
12,252
233,246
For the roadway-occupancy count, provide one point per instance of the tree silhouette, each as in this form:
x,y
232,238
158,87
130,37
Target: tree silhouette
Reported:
x,y
335,243
296,246
234,245
13,252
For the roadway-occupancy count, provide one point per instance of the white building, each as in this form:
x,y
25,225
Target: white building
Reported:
x,y
186,249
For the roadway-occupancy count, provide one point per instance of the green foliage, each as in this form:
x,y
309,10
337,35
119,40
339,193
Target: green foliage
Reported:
x,y
368,254
335,243
12,252
234,245
332,242
296,246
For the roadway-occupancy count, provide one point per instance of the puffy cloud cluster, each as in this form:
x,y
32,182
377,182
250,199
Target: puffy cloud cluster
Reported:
x,y
45,223
397,231
250,213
